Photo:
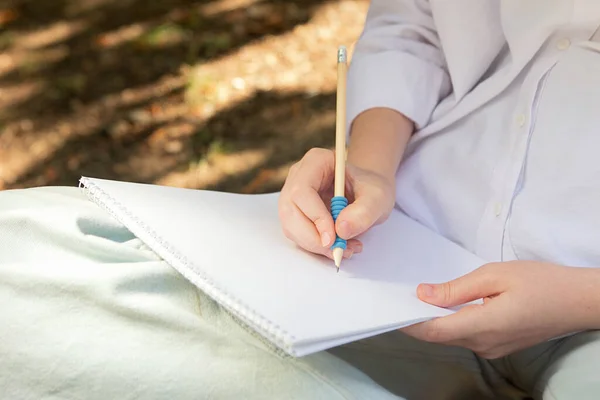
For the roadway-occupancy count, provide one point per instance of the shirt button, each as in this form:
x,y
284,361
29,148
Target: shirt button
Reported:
x,y
563,44
520,119
497,209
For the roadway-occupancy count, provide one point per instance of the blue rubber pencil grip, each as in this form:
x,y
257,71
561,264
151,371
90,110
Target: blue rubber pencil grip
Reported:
x,y
338,203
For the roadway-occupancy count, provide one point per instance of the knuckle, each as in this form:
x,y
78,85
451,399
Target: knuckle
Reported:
x,y
294,168
316,152
318,155
493,273
448,292
322,222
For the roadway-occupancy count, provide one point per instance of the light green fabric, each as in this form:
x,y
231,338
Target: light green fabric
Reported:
x,y
87,311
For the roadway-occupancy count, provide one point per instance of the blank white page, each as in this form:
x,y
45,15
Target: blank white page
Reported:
x,y
232,246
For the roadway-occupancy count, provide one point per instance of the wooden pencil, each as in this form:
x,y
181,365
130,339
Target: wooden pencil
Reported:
x,y
340,138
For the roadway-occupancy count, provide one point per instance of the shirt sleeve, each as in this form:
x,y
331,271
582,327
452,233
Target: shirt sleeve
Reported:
x,y
397,62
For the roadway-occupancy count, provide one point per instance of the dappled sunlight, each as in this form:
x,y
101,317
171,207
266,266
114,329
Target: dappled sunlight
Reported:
x,y
223,94
215,168
74,8
289,64
217,7
53,34
121,35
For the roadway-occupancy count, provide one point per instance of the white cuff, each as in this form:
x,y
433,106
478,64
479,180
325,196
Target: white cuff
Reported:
x,y
396,80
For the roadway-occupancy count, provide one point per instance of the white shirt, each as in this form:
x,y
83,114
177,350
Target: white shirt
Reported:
x,y
506,98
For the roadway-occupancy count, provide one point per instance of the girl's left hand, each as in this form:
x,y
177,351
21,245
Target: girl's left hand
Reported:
x,y
525,303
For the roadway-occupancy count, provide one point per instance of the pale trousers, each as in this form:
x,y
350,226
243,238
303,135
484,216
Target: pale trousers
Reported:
x,y
87,311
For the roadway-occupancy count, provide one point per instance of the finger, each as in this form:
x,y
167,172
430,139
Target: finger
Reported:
x,y
316,169
298,228
312,206
454,329
485,281
314,209
355,245
302,231
359,216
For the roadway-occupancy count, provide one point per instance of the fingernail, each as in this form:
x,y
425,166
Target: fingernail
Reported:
x,y
325,239
427,290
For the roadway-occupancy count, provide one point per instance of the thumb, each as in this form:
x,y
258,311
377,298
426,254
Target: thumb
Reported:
x,y
483,282
359,216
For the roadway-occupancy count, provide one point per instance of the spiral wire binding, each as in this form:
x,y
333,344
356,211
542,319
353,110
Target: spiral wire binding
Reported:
x,y
247,318
338,203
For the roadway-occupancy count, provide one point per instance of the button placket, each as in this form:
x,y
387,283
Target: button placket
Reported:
x,y
492,227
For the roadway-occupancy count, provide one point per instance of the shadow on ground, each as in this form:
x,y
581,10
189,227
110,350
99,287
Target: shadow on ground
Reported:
x,y
92,48
297,122
87,56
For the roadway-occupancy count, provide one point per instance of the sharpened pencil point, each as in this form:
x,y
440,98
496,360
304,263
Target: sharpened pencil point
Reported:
x,y
338,253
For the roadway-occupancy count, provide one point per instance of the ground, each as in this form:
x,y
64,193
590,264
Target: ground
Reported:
x,y
221,94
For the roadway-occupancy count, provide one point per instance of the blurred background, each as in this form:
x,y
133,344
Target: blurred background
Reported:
x,y
222,94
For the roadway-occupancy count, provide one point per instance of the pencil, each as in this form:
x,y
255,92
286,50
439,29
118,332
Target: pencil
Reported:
x,y
340,142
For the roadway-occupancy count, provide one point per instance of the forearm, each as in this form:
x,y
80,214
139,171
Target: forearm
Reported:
x,y
587,290
378,140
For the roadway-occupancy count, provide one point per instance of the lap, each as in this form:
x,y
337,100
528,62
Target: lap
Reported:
x,y
89,312
419,370
564,369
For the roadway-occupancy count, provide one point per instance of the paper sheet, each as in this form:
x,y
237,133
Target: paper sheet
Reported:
x,y
237,241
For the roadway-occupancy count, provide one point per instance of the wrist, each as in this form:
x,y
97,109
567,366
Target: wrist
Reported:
x,y
587,291
378,140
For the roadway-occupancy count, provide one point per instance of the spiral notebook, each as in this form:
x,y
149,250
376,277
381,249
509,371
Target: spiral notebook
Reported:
x,y
231,246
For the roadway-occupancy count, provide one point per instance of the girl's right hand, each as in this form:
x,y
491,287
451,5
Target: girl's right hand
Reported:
x,y
305,199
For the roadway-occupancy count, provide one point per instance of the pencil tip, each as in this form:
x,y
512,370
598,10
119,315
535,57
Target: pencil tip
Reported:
x,y
338,253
